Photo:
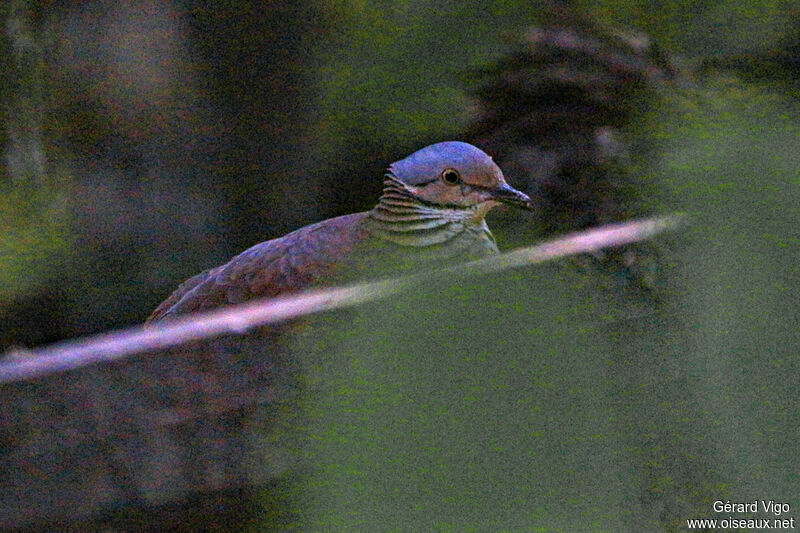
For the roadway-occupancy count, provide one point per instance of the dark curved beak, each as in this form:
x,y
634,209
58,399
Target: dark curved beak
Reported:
x,y
507,194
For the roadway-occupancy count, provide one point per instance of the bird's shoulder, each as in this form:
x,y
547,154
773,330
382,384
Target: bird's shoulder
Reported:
x,y
296,260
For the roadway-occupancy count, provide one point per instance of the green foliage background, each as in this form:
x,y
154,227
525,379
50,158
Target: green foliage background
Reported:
x,y
531,402
539,400
535,401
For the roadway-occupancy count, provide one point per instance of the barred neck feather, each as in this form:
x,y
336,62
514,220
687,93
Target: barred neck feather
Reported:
x,y
404,219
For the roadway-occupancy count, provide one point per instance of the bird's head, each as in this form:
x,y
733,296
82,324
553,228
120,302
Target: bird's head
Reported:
x,y
456,175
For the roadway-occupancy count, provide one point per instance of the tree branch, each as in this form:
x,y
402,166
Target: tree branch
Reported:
x,y
22,365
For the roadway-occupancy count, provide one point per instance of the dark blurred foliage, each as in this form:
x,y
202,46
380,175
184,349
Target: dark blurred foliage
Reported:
x,y
171,132
553,113
563,114
145,142
777,61
176,440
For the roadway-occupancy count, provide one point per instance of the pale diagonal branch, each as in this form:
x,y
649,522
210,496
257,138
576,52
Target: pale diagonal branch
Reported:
x,y
115,345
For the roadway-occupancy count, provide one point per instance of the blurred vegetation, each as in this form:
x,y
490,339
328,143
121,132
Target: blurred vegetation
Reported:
x,y
535,402
34,218
545,399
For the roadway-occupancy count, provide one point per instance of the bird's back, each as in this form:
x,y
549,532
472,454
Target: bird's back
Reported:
x,y
290,263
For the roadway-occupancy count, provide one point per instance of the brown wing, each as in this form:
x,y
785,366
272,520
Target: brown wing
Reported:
x,y
291,263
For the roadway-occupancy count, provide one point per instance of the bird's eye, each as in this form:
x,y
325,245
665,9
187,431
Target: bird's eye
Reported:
x,y
451,176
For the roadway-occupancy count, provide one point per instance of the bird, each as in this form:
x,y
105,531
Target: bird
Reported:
x,y
431,212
